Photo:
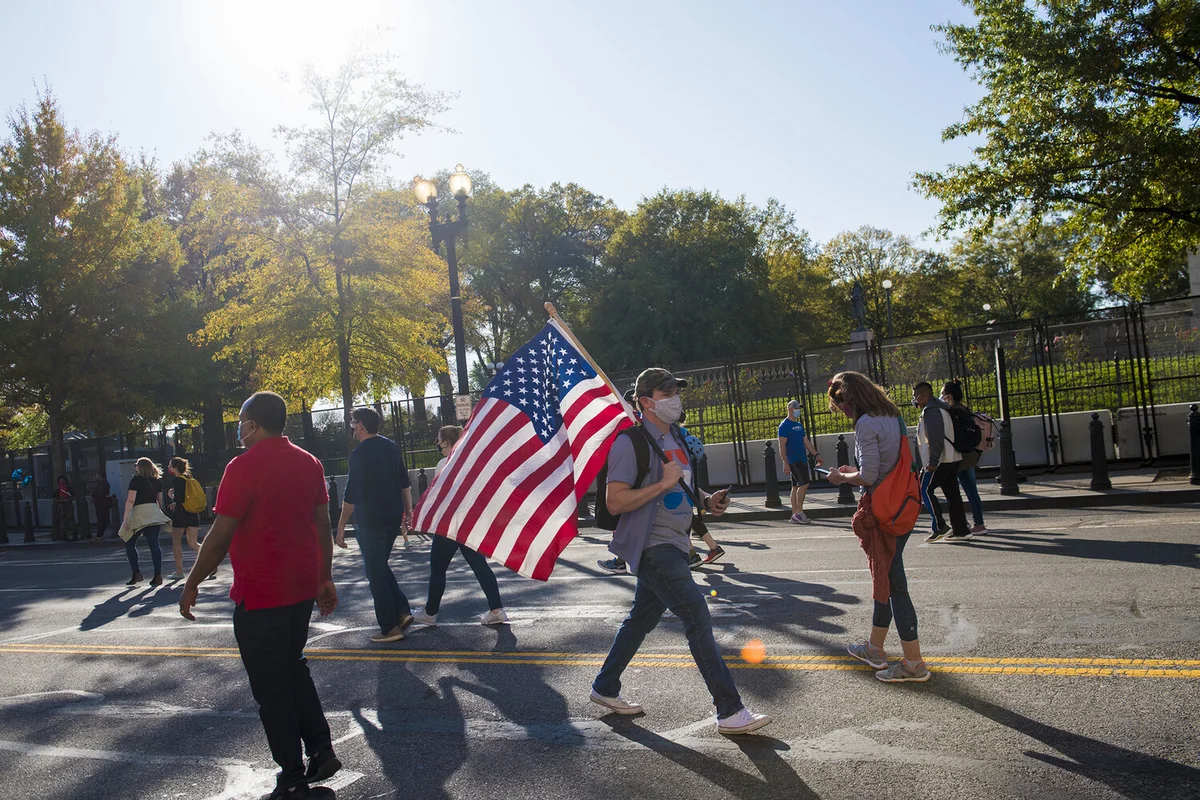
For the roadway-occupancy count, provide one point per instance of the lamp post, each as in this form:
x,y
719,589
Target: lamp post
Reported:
x,y
446,231
887,288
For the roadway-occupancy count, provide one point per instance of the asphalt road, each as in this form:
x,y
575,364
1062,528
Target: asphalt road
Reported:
x,y
1063,645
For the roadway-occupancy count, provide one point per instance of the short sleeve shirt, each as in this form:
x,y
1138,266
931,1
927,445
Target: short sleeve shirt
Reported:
x,y
376,483
792,432
273,490
665,520
146,491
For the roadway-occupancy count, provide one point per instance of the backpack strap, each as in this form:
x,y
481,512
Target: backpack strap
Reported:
x,y
641,452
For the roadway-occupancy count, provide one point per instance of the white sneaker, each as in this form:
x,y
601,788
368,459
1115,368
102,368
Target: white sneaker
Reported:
x,y
743,721
616,704
495,617
425,619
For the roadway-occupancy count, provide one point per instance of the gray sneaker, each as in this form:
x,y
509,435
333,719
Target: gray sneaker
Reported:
x,y
869,655
902,672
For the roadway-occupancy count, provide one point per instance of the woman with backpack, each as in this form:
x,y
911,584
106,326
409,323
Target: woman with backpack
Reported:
x,y
952,395
182,520
880,439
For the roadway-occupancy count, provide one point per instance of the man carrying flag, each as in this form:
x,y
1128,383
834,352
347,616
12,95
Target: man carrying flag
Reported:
x,y
652,538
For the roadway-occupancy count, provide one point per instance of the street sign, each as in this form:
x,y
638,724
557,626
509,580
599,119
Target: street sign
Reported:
x,y
462,406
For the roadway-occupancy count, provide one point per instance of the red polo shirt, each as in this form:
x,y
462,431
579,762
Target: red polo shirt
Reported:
x,y
273,490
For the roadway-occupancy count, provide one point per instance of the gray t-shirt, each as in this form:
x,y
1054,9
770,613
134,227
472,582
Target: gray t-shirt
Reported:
x,y
665,520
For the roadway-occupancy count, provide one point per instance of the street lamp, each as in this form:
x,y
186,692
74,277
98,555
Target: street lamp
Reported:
x,y
446,231
887,288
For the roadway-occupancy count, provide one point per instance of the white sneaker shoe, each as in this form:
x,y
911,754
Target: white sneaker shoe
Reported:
x,y
425,619
616,704
743,721
495,617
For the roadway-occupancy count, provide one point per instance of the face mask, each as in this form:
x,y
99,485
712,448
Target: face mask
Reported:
x,y
669,409
239,434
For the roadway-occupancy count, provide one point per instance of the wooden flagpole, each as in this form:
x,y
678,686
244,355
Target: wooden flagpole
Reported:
x,y
553,312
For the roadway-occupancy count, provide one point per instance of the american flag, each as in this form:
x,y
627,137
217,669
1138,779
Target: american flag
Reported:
x,y
532,447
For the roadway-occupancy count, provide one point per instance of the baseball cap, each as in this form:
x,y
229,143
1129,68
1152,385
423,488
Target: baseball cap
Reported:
x,y
793,404
656,378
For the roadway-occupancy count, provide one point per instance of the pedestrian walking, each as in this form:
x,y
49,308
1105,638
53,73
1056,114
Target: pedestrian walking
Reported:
x,y
878,429
102,502
143,519
442,552
273,522
935,440
794,450
652,538
63,512
379,497
952,395
183,522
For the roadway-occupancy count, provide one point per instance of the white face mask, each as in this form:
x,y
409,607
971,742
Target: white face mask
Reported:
x,y
669,409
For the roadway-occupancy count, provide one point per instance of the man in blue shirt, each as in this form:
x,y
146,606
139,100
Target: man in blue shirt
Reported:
x,y
379,497
652,537
794,449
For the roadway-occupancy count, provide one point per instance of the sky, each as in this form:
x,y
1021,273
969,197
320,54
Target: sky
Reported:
x,y
828,107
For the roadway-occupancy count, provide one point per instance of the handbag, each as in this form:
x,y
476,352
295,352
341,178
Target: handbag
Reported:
x,y
145,515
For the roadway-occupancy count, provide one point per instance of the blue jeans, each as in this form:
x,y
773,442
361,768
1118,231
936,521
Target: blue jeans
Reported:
x,y
665,581
440,555
376,543
966,479
151,535
899,603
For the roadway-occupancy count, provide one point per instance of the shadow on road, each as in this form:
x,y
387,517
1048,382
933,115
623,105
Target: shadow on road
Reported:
x,y
1130,552
132,602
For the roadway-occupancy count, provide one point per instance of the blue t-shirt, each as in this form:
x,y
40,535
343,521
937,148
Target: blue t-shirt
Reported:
x,y
376,483
792,432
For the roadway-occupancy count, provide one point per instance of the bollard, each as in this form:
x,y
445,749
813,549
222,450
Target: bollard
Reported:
x,y
1194,440
772,477
335,506
1008,461
845,490
422,482
1100,480
83,521
28,521
3,525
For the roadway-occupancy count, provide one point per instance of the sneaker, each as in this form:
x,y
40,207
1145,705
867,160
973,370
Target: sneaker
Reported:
x,y
800,518
211,576
694,560
405,621
956,537
617,705
425,619
301,792
979,529
612,565
394,635
323,766
743,721
175,576
902,671
938,534
795,520
497,616
869,655
714,554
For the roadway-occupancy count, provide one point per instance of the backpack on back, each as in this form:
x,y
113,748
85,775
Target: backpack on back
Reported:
x,y
896,502
194,500
967,435
641,451
988,431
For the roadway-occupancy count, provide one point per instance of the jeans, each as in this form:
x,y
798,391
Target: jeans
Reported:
x,y
944,478
439,560
665,581
966,479
376,543
271,641
899,603
151,535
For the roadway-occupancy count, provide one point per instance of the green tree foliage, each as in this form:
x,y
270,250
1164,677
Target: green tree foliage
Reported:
x,y
84,268
1090,110
805,308
683,280
870,256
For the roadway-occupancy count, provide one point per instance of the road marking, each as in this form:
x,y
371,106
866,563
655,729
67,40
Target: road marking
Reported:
x,y
972,665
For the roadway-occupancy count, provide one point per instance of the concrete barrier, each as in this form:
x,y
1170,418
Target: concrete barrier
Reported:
x,y
1171,421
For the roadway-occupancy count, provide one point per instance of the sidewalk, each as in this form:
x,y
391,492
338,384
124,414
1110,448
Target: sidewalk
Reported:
x,y
1044,491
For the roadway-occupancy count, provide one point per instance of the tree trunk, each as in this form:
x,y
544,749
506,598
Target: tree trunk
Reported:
x,y
212,420
58,459
347,393
447,392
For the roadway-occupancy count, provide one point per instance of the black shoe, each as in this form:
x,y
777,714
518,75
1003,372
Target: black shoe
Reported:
x,y
938,534
612,565
135,580
694,560
323,766
211,575
156,580
300,791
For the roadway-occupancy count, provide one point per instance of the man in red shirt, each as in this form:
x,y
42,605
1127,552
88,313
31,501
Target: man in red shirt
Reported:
x,y
273,520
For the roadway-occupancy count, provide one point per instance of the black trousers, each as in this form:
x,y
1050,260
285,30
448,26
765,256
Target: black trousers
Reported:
x,y
271,641
945,477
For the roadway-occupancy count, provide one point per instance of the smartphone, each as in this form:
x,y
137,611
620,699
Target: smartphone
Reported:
x,y
821,472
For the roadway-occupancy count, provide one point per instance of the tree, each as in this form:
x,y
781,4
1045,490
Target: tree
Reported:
x,y
346,269
870,256
1090,110
84,269
805,307
682,280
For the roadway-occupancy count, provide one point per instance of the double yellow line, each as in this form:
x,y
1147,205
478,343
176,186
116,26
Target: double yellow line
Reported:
x,y
1060,667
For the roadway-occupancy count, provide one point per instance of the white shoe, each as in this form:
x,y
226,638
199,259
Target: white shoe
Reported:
x,y
495,617
616,704
425,619
743,721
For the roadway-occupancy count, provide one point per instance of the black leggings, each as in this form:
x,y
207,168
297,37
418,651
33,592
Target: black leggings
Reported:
x,y
439,561
899,603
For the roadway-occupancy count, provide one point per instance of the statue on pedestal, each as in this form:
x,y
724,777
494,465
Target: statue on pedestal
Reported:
x,y
858,306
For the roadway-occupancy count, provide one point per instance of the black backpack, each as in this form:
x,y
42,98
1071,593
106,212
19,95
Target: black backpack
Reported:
x,y
967,436
606,520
